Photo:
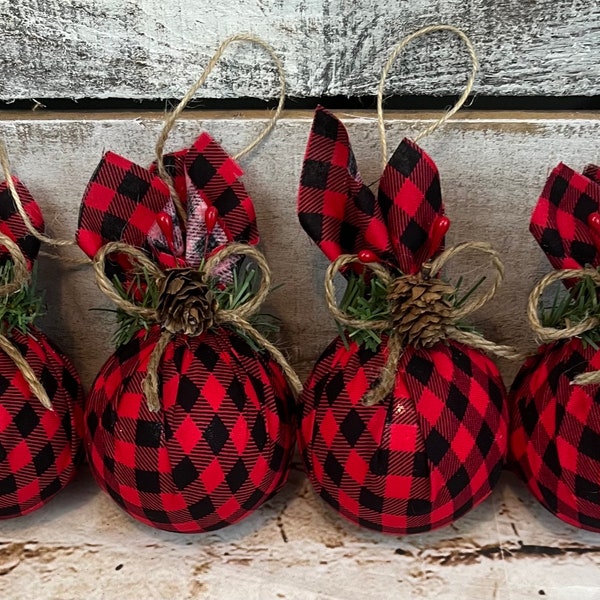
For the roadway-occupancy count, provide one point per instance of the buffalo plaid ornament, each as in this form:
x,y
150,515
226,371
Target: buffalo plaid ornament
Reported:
x,y
434,448
222,441
40,449
555,424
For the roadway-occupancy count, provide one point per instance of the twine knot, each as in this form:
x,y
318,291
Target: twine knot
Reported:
x,y
186,303
547,335
421,311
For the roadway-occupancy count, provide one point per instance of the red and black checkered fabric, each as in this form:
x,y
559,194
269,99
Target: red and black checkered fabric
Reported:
x,y
219,447
559,220
222,441
555,425
555,431
122,199
419,460
12,224
39,449
341,214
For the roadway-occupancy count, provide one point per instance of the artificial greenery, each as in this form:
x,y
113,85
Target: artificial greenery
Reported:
x,y
365,299
580,302
20,309
236,293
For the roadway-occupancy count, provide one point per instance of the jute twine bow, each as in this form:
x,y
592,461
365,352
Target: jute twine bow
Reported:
x,y
552,334
237,317
21,278
434,329
388,65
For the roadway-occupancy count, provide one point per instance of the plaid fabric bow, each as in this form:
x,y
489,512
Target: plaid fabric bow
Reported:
x,y
566,219
124,202
343,216
12,224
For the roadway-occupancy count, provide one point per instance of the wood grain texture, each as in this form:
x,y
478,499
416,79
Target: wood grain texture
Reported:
x,y
492,166
141,49
82,545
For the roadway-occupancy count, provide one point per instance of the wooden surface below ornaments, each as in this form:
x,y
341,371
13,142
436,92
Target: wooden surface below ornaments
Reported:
x,y
155,49
493,167
82,545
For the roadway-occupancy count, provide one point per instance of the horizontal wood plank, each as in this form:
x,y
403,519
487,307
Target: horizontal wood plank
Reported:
x,y
155,49
493,167
81,545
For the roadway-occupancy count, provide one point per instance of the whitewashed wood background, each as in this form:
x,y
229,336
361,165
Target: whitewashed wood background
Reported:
x,y
493,167
156,48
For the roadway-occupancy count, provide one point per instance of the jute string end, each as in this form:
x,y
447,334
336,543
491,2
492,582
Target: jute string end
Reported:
x,y
21,278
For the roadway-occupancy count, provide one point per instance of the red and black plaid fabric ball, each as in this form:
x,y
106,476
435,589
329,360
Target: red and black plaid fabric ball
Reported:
x,y
222,442
555,425
40,449
434,448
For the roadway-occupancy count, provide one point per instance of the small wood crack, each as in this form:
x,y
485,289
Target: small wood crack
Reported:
x,y
496,551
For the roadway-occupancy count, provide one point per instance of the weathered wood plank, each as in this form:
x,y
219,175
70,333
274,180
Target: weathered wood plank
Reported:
x,y
493,167
83,546
153,49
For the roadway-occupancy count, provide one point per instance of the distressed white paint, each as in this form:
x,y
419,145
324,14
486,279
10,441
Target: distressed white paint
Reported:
x,y
156,49
492,167
82,546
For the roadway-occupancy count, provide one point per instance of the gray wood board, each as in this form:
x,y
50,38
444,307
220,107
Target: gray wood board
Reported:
x,y
141,49
493,168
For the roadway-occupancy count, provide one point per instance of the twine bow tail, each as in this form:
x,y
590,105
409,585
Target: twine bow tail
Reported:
x,y
438,323
552,334
21,278
237,317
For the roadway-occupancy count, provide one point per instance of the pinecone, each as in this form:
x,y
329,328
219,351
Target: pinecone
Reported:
x,y
420,310
186,304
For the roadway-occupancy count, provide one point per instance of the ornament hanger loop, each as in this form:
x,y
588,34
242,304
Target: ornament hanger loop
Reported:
x,y
388,65
174,114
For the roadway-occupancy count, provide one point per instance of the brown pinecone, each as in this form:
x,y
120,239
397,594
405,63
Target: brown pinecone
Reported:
x,y
186,304
420,310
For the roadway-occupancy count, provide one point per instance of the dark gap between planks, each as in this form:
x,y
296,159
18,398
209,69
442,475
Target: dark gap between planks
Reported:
x,y
507,103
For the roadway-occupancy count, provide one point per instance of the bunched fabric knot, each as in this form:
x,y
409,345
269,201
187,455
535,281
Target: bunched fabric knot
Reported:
x,y
421,309
186,304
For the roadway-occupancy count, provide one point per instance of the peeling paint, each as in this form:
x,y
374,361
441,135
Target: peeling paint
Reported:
x,y
147,49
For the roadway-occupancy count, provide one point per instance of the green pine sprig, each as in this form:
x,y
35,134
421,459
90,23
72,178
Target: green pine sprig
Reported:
x,y
240,290
365,299
20,309
572,306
